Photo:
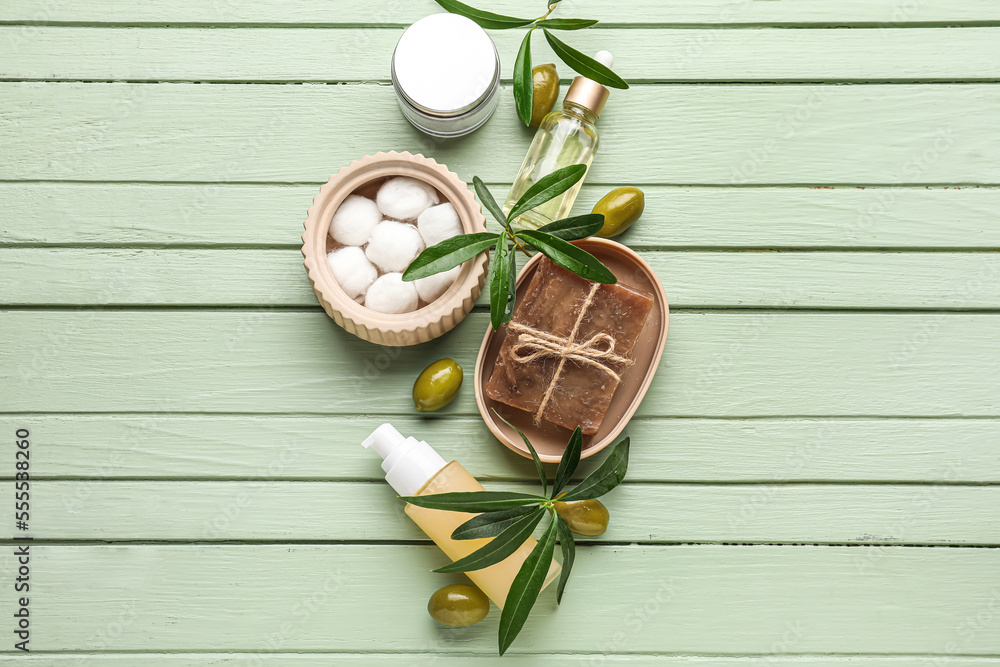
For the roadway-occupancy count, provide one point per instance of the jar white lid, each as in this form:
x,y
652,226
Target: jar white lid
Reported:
x,y
445,64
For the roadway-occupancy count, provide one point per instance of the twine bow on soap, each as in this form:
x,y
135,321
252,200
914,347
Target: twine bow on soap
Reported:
x,y
533,344
597,351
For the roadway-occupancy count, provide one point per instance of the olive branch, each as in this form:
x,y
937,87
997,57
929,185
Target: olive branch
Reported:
x,y
552,240
578,61
510,518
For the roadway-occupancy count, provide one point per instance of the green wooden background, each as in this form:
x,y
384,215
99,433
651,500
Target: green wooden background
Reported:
x,y
816,467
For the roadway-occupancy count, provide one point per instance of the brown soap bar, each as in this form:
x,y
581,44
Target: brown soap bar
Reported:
x,y
567,346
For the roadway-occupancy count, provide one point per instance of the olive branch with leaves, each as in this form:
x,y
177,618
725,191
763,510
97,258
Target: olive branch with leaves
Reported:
x,y
510,518
552,240
578,61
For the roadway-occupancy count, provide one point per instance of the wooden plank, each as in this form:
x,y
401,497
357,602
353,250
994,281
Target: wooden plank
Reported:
x,y
641,513
719,600
722,134
112,277
298,447
362,54
510,660
129,214
715,364
312,12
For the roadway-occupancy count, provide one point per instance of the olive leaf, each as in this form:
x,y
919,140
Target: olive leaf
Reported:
x,y
509,519
448,254
525,588
486,197
523,85
566,24
569,256
548,187
501,296
511,285
483,18
490,524
568,546
584,64
568,462
501,546
474,501
577,227
609,475
539,468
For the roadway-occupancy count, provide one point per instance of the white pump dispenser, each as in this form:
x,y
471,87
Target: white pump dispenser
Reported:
x,y
408,463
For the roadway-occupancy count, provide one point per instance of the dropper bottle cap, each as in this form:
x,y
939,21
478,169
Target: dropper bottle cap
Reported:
x,y
587,92
408,463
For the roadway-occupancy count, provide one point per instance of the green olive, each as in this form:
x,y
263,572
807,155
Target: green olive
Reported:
x,y
437,385
544,92
584,517
458,605
620,208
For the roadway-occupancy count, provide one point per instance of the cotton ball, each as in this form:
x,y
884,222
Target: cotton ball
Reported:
x,y
439,223
389,294
352,270
354,220
393,245
405,198
432,287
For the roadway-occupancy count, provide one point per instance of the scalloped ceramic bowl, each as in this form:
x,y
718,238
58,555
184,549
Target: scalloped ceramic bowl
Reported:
x,y
421,325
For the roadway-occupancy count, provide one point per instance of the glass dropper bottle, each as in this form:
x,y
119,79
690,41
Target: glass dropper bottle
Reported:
x,y
565,137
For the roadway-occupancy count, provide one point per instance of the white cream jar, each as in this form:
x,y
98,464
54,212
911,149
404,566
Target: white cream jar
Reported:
x,y
446,73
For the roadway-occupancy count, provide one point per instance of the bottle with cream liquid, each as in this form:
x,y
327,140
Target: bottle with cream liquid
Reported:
x,y
565,137
413,468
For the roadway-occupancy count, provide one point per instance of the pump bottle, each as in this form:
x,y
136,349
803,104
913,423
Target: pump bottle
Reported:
x,y
565,137
413,468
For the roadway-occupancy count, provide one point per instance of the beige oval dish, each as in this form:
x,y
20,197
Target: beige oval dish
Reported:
x,y
550,440
421,325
